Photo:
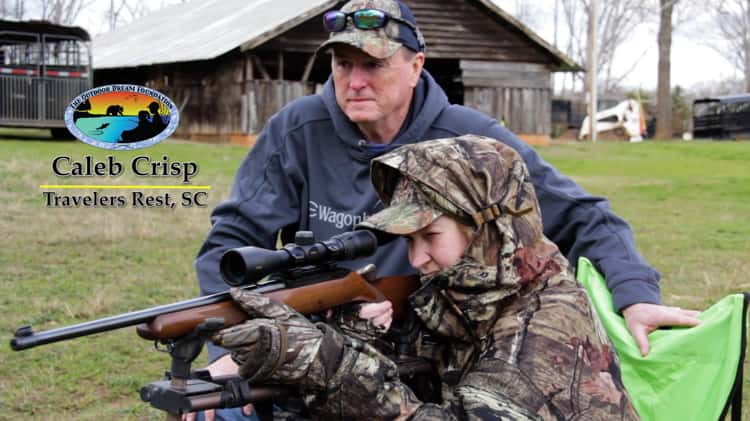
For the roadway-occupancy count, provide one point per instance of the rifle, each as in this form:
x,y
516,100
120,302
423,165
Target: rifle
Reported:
x,y
302,275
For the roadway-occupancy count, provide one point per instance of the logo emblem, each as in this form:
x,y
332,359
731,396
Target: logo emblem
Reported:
x,y
122,117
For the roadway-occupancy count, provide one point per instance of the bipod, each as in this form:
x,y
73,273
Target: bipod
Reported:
x,y
185,391
179,393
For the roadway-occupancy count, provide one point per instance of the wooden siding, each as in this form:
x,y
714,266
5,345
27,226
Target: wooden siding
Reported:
x,y
217,98
466,30
519,93
456,29
265,97
222,111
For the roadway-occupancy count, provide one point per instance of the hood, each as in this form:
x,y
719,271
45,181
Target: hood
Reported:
x,y
486,184
428,102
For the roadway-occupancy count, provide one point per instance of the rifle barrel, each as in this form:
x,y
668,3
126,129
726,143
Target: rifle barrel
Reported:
x,y
26,338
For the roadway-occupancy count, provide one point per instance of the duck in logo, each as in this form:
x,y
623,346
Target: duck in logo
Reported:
x,y
122,117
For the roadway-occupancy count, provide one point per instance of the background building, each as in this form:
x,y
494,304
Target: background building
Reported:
x,y
231,64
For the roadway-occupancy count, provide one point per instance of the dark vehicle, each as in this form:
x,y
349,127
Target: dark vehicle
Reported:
x,y
723,117
42,68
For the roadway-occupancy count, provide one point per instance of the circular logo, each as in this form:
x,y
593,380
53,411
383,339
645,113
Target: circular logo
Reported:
x,y
122,117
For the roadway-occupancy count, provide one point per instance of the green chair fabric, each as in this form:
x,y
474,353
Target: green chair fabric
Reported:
x,y
690,373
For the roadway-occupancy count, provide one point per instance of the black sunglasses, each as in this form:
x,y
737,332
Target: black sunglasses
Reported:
x,y
335,20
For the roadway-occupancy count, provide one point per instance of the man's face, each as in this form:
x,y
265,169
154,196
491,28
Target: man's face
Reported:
x,y
371,90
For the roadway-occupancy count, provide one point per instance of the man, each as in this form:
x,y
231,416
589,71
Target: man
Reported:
x,y
309,169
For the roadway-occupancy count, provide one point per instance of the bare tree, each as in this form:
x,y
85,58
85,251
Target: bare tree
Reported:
x,y
616,21
124,11
663,84
13,9
62,12
113,13
731,20
708,88
528,13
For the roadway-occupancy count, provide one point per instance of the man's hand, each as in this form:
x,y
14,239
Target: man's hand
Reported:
x,y
223,366
644,318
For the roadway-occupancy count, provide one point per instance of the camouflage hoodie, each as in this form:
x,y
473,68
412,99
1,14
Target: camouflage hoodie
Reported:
x,y
513,334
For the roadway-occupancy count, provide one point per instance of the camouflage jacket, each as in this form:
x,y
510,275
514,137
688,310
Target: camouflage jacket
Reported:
x,y
512,333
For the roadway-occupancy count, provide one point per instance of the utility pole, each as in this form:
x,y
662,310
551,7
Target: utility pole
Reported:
x,y
554,39
591,58
554,43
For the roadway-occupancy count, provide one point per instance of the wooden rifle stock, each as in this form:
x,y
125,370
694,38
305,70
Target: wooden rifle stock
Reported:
x,y
305,299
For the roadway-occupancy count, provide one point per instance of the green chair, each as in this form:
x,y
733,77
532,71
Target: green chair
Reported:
x,y
690,373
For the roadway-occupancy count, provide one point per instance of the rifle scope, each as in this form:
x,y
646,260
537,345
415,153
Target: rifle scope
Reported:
x,y
246,265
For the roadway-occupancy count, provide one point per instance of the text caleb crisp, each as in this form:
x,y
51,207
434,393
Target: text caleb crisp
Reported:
x,y
141,166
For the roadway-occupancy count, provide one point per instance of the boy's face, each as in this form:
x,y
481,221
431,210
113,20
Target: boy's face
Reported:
x,y
437,246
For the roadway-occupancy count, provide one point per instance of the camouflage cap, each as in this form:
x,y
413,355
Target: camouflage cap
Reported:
x,y
383,42
479,181
408,212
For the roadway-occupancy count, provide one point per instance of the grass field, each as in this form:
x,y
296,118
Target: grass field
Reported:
x,y
688,204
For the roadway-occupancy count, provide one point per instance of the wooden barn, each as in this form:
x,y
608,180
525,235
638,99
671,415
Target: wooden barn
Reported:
x,y
231,64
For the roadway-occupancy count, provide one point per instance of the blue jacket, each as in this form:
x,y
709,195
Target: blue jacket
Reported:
x,y
309,170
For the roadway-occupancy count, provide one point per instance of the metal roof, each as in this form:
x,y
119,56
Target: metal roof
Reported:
x,y
200,30
205,29
731,99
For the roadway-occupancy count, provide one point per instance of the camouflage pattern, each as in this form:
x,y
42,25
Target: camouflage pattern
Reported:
x,y
365,384
513,333
346,319
276,344
380,43
335,372
408,211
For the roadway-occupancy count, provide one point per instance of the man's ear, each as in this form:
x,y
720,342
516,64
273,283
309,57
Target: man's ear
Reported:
x,y
417,64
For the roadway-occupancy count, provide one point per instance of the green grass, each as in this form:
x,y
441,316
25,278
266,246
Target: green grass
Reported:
x,y
68,265
686,201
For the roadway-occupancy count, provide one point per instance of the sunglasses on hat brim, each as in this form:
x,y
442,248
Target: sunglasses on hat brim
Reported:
x,y
336,20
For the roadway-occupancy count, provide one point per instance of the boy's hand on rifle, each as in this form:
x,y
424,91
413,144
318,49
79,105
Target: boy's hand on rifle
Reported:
x,y
281,345
277,343
366,321
379,314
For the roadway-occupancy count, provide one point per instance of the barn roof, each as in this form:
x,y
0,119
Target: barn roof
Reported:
x,y
200,30
203,30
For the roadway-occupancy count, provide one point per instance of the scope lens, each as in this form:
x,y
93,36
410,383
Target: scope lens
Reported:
x,y
233,268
